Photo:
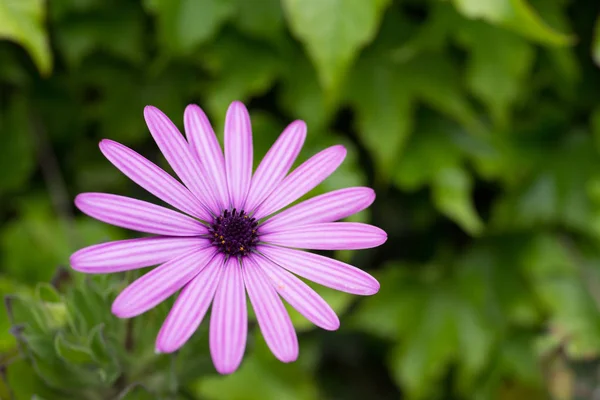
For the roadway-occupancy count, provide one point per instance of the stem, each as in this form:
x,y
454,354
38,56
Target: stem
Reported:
x,y
129,335
173,384
129,339
186,394
4,379
53,178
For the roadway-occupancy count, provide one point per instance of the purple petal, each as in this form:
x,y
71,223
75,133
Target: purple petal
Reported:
x,y
229,320
302,180
190,307
323,270
138,215
276,163
152,178
238,153
124,255
179,155
301,296
327,207
328,236
205,146
273,319
160,283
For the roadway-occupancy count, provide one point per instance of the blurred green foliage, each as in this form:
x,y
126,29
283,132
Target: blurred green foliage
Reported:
x,y
476,121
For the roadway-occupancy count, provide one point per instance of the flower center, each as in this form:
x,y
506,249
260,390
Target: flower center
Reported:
x,y
234,233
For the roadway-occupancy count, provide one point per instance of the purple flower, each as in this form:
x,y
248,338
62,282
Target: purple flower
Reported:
x,y
231,241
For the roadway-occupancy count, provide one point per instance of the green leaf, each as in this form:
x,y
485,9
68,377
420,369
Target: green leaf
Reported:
x,y
105,353
120,33
262,19
24,311
553,189
596,43
11,70
395,309
498,66
233,77
72,353
433,156
440,314
482,267
432,35
17,153
23,382
431,344
61,356
476,338
44,292
8,289
56,374
430,150
452,189
333,31
260,377
38,344
87,303
136,392
148,322
193,360
517,15
518,356
300,94
53,239
36,229
185,24
23,22
557,282
385,87
384,108
349,173
566,65
595,126
517,363
265,131
59,9
436,81
118,112
99,346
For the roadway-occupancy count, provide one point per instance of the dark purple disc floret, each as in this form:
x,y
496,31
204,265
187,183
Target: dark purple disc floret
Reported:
x,y
234,233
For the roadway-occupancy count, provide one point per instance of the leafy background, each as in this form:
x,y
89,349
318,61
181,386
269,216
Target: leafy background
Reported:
x,y
476,121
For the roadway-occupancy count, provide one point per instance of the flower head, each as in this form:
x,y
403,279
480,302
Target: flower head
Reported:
x,y
229,239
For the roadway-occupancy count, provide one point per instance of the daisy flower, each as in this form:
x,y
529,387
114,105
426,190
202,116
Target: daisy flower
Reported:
x,y
231,237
